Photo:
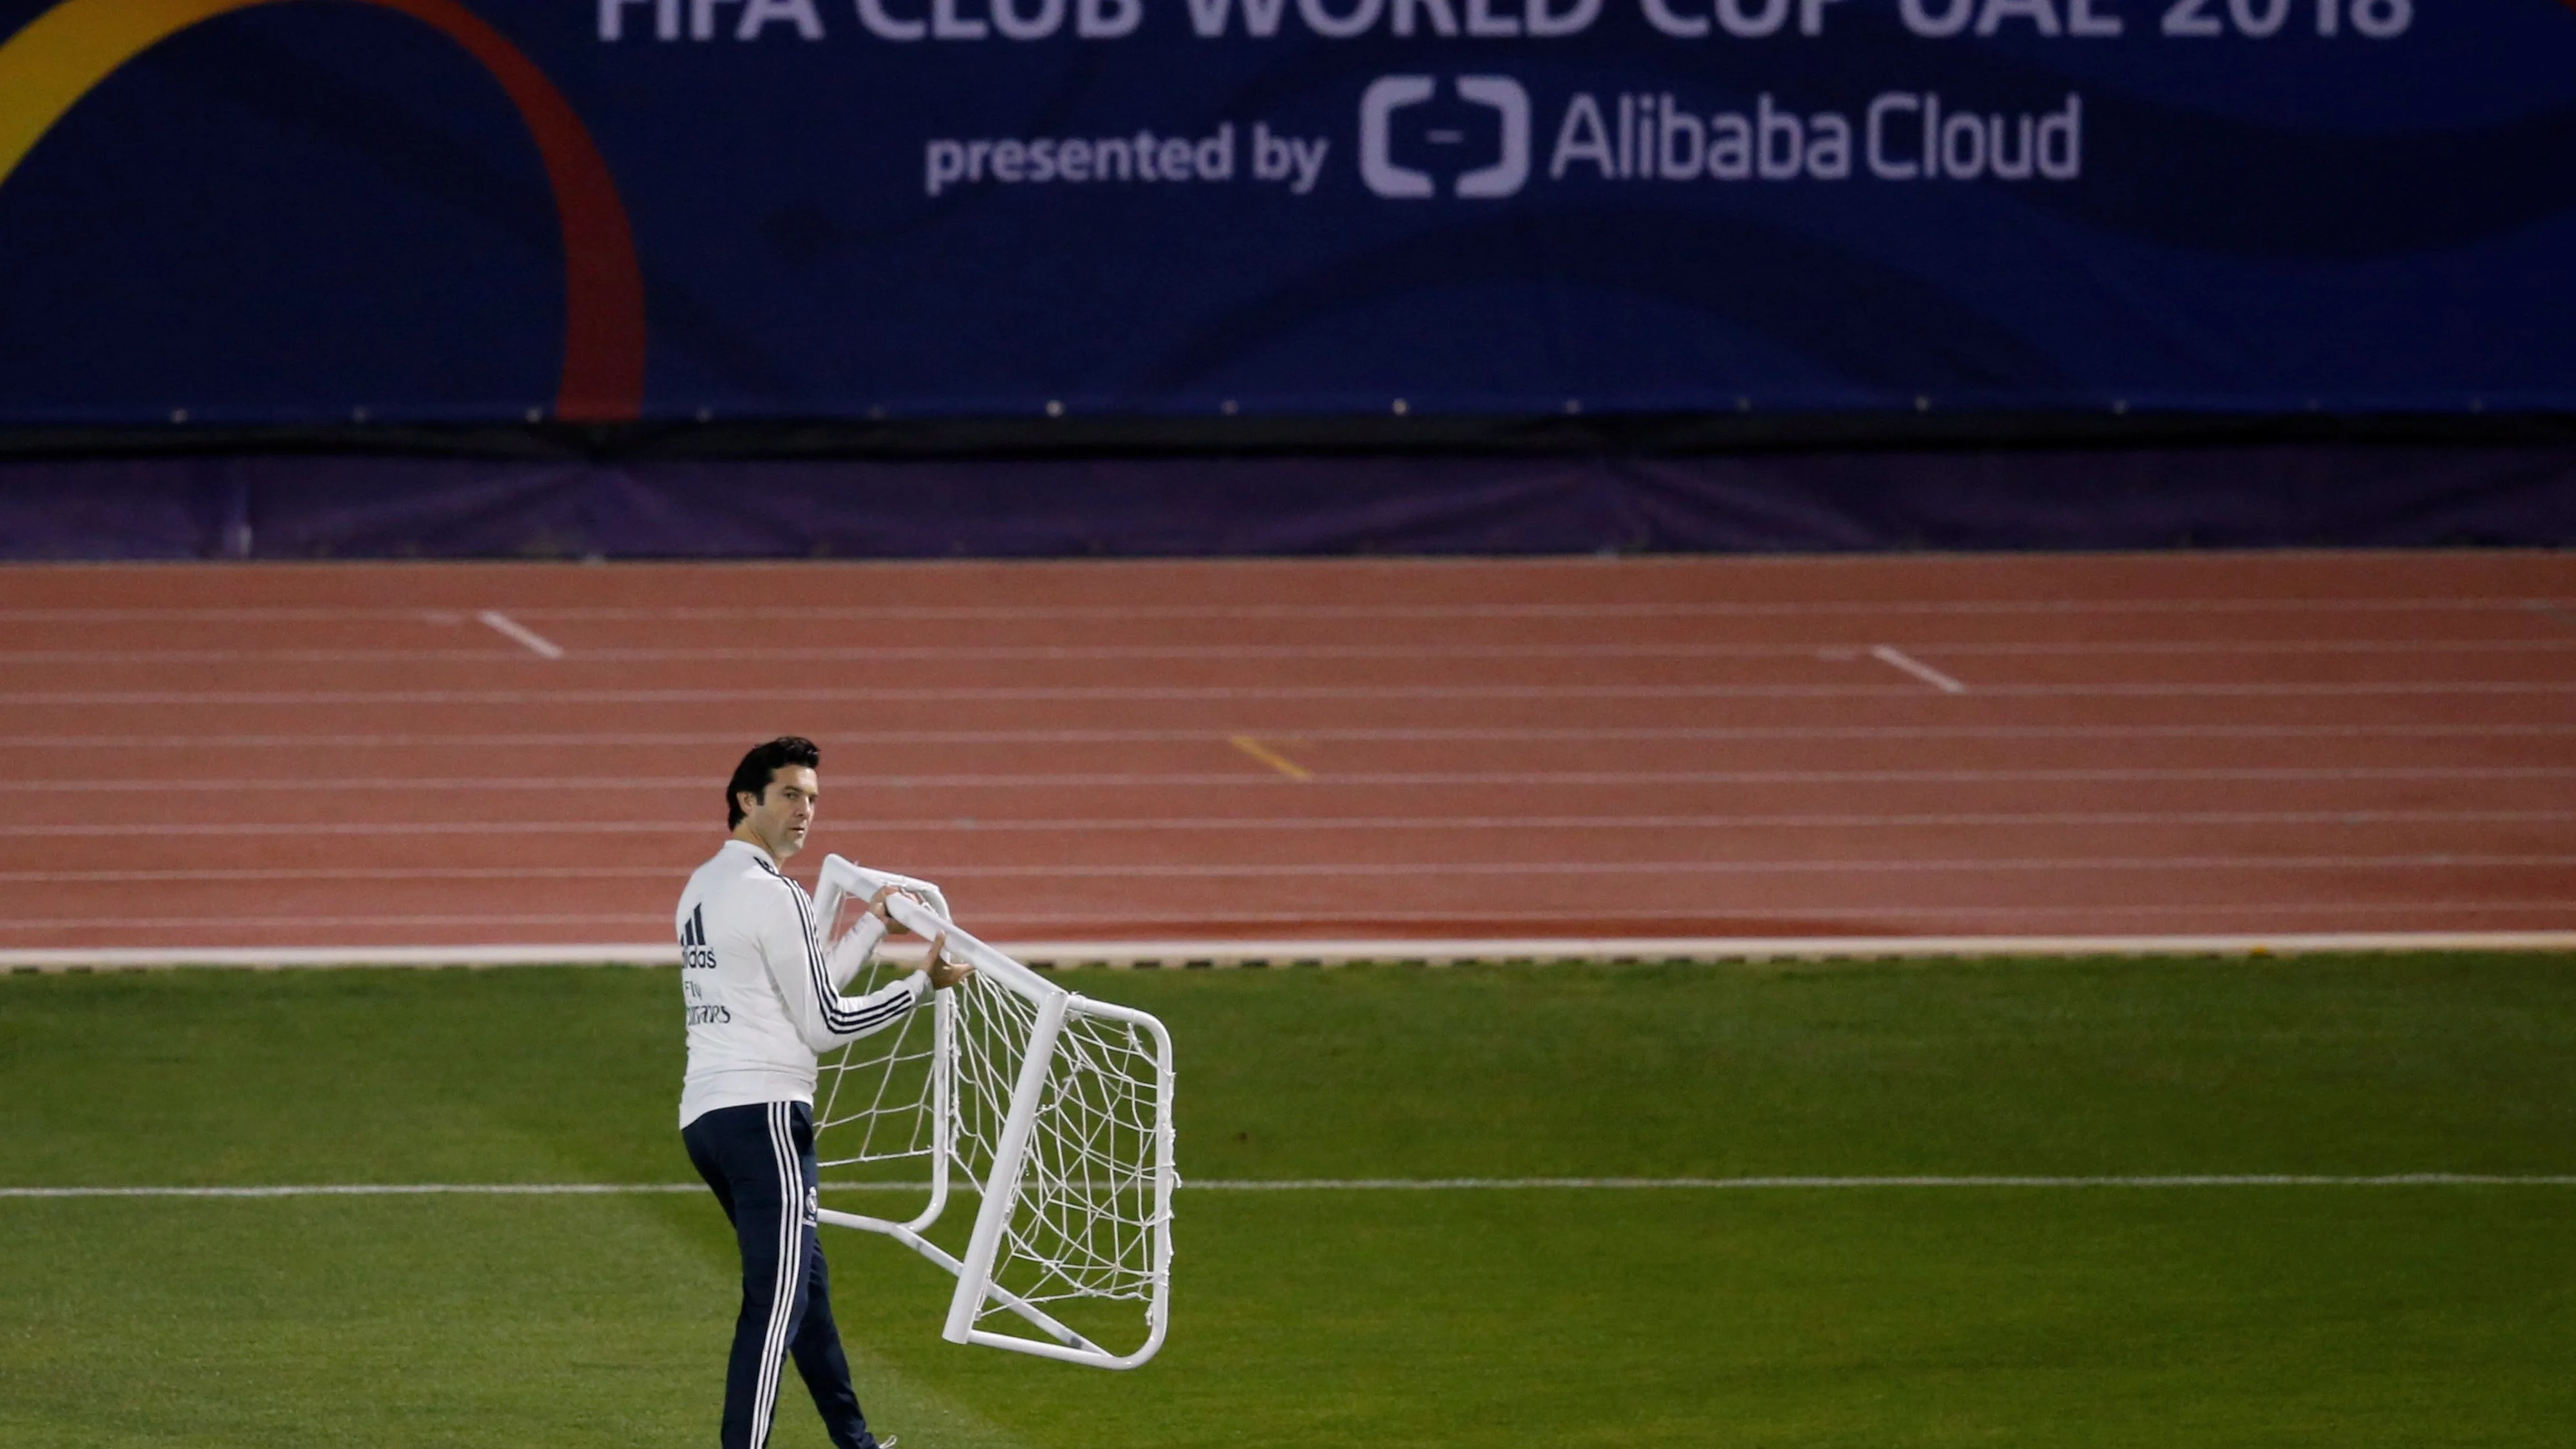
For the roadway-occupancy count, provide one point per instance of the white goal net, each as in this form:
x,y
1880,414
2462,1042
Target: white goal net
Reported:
x,y
1053,1110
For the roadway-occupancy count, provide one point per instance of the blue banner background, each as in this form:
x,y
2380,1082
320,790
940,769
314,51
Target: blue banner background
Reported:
x,y
295,213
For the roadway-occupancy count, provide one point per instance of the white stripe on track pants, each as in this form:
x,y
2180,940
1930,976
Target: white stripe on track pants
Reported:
x,y
759,1159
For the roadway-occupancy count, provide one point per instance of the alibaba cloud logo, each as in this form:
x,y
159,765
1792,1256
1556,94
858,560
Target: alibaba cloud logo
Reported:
x,y
64,53
1389,94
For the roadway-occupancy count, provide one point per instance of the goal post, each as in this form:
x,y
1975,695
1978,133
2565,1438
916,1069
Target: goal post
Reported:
x,y
1054,1110
883,1104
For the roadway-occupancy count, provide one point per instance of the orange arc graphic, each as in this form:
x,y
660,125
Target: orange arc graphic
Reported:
x,y
63,54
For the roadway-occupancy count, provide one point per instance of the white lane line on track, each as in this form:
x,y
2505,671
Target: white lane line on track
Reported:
x,y
1603,610
2089,819
1364,1184
1032,925
1762,867
505,784
1523,824
1498,733
1179,694
1006,924
1936,820
529,639
178,877
1753,867
1420,949
484,920
1889,654
1200,870
384,827
1002,653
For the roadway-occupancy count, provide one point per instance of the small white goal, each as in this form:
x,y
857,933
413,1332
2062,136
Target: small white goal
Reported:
x,y
1053,1109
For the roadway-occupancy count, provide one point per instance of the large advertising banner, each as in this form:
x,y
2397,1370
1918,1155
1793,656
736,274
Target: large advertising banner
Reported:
x,y
313,211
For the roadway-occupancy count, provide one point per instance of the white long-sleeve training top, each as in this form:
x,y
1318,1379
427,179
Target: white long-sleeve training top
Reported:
x,y
762,1000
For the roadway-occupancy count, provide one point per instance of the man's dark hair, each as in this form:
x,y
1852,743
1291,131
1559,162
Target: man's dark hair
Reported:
x,y
753,775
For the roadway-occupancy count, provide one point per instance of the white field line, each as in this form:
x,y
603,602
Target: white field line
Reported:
x,y
1235,953
1505,734
1002,653
1722,1184
1891,655
735,698
1602,610
368,1189
509,628
1366,1184
513,784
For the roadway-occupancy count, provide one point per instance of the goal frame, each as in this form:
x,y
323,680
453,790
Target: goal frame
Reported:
x,y
924,912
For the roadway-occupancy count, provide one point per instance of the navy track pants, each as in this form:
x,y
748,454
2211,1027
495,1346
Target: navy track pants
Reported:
x,y
760,1161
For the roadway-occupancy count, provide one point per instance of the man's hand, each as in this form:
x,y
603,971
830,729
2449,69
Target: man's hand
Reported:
x,y
945,973
877,908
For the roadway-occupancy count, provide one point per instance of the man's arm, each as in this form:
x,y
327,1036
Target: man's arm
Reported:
x,y
859,943
823,1016
853,951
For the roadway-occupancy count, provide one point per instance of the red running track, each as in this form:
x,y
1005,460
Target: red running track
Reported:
x,y
330,755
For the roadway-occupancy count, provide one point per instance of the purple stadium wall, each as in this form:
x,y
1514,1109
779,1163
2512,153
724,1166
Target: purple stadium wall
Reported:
x,y
307,507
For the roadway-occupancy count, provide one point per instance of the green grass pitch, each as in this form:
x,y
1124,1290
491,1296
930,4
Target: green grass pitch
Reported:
x,y
2236,1316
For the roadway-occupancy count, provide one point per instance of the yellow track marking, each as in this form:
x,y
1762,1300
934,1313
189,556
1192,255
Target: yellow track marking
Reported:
x,y
1271,757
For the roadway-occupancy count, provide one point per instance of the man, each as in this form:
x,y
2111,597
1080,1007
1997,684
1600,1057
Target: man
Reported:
x,y
761,1003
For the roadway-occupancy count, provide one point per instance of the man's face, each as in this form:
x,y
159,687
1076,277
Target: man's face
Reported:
x,y
784,811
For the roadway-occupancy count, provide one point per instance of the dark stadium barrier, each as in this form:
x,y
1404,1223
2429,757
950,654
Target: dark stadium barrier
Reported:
x,y
276,507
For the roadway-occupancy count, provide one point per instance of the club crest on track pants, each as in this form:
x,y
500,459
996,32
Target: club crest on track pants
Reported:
x,y
759,1159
